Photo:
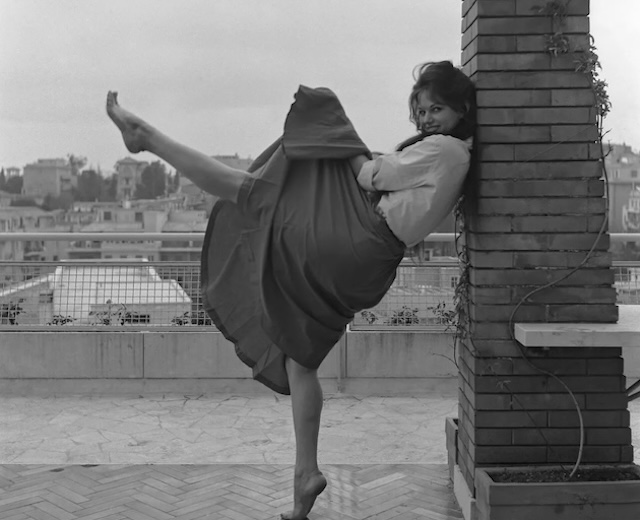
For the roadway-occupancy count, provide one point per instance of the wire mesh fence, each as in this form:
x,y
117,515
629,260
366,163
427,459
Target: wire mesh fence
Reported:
x,y
143,294
101,294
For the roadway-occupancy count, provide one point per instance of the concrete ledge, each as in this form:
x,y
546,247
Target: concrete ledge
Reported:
x,y
624,333
445,387
71,355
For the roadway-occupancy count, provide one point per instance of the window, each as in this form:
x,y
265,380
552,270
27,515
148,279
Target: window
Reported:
x,y
138,216
136,317
634,174
107,215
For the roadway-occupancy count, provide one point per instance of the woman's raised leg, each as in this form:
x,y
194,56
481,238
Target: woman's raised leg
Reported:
x,y
205,172
306,403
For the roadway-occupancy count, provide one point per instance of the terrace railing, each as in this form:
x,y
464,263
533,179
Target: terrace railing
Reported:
x,y
157,291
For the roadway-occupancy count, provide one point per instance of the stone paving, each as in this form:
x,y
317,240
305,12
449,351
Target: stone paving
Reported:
x,y
227,429
218,429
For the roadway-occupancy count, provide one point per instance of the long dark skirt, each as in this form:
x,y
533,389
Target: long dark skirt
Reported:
x,y
286,268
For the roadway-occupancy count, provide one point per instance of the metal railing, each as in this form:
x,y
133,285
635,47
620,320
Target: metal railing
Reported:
x,y
126,293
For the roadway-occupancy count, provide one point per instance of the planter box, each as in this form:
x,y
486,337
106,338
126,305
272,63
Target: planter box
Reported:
x,y
451,433
598,500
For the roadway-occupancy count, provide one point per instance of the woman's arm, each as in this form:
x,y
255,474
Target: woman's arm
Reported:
x,y
356,163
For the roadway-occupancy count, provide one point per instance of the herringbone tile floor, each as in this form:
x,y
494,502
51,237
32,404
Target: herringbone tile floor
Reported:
x,y
221,492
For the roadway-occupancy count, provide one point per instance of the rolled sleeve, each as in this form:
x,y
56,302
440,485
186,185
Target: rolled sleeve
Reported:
x,y
366,175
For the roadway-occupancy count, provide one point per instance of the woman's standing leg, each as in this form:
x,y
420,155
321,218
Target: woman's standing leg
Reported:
x,y
205,172
306,403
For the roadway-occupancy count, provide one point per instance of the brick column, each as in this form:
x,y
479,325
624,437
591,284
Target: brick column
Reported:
x,y
537,209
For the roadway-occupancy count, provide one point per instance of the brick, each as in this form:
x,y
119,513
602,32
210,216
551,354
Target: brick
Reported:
x,y
546,401
540,206
490,259
574,133
531,80
590,454
497,224
515,61
536,116
538,42
511,419
497,8
540,188
588,352
613,401
576,24
490,44
608,436
492,437
582,313
487,44
606,366
529,7
467,5
548,241
626,454
572,97
501,313
513,98
540,170
592,419
490,295
596,151
500,348
543,436
490,331
511,277
496,152
513,25
539,384
597,223
552,151
513,134
568,295
559,367
564,62
550,223
510,454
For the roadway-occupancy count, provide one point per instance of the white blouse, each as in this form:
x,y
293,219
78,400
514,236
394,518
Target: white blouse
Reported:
x,y
421,183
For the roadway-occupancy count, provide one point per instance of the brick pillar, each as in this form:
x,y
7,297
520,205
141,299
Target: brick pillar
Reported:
x,y
538,209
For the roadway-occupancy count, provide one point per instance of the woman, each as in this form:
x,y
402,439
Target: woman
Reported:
x,y
314,231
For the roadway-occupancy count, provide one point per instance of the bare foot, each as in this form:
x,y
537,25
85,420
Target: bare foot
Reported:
x,y
134,130
305,491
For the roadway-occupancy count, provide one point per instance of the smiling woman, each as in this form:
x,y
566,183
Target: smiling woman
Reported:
x,y
313,232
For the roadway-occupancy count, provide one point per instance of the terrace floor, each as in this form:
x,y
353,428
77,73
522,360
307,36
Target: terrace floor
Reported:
x,y
222,457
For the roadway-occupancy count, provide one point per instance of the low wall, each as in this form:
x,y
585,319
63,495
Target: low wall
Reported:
x,y
362,363
370,363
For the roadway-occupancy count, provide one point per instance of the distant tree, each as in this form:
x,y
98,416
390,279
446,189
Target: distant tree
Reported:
x,y
110,189
90,186
77,162
153,181
13,184
23,202
62,201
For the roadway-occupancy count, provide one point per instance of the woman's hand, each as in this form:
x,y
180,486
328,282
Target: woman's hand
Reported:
x,y
356,163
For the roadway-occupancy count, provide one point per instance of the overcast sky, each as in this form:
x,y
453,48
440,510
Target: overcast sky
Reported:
x,y
220,74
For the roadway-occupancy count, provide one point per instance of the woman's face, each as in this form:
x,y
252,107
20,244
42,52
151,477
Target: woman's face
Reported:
x,y
434,117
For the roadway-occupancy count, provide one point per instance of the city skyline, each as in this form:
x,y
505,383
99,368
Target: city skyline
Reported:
x,y
220,76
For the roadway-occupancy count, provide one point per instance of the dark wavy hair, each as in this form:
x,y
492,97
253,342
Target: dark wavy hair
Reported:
x,y
449,86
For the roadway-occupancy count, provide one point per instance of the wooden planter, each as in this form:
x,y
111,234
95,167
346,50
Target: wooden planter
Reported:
x,y
610,500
